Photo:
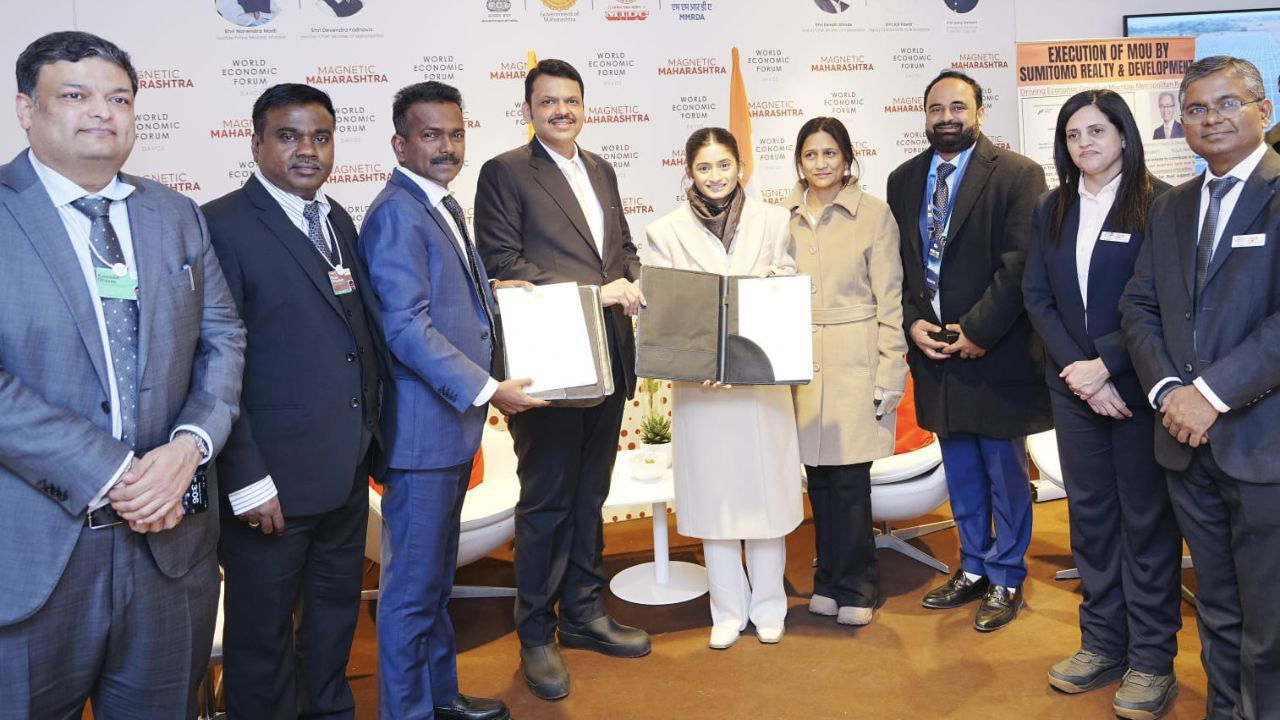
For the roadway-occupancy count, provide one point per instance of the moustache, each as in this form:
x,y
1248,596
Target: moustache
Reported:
x,y
446,159
946,126
558,118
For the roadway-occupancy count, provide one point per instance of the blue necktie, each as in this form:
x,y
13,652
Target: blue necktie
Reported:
x,y
121,315
314,231
937,228
460,219
1218,189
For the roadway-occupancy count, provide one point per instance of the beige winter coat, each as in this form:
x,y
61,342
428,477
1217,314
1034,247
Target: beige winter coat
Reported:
x,y
858,343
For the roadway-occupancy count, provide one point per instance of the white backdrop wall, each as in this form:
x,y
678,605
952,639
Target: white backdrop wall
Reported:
x,y
649,82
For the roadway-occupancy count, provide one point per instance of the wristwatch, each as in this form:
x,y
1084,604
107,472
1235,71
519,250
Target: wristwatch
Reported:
x,y
201,445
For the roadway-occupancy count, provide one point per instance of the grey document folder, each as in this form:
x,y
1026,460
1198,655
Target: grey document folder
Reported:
x,y
690,330
593,394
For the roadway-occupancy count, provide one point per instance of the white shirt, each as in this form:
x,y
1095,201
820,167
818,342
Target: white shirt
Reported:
x,y
1093,213
575,171
1226,206
62,191
436,194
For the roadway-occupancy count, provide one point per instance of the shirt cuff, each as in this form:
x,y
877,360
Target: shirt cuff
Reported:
x,y
198,432
250,497
101,498
486,393
1210,395
1155,391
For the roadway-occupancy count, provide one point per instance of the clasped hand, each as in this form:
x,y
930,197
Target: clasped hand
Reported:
x,y
1187,415
149,494
938,350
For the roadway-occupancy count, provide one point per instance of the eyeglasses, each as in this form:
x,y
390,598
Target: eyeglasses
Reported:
x,y
1227,109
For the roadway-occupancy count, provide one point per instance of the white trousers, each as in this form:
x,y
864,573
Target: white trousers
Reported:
x,y
735,597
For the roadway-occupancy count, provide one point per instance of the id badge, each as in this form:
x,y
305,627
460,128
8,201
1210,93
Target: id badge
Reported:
x,y
113,285
341,281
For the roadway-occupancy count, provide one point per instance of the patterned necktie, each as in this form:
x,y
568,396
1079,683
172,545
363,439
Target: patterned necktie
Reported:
x,y
937,226
315,231
455,211
121,316
1218,189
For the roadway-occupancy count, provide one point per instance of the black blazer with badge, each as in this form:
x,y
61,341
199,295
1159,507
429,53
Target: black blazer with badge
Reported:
x,y
1001,394
1052,293
306,388
529,226
1231,336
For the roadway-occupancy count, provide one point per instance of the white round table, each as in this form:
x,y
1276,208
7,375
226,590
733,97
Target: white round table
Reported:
x,y
661,582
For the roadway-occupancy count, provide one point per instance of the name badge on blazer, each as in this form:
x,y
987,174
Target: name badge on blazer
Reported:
x,y
1256,240
1114,237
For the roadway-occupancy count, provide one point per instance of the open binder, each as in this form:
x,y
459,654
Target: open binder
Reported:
x,y
521,350
738,330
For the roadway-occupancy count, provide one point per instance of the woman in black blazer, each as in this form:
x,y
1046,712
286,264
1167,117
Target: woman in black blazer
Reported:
x,y
1086,236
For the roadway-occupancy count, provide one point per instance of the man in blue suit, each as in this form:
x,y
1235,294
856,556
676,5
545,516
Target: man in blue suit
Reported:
x,y
438,315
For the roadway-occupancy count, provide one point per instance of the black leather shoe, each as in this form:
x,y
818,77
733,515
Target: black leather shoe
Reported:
x,y
957,591
999,607
465,707
605,636
544,671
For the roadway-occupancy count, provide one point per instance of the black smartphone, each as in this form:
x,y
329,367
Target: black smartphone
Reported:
x,y
196,499
946,336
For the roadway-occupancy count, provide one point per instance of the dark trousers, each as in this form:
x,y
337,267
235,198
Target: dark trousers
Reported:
x,y
1124,537
565,459
987,480
848,571
417,659
290,607
1233,530
115,630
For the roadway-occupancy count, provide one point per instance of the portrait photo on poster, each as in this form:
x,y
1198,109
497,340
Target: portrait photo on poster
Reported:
x,y
247,13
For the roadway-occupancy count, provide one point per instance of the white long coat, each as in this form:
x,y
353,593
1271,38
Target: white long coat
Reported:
x,y
736,455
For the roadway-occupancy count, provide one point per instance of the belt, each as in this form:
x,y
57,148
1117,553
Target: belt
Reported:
x,y
842,315
103,517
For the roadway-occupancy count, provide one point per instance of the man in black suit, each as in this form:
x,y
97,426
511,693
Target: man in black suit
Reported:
x,y
1168,128
550,212
1202,319
295,471
964,212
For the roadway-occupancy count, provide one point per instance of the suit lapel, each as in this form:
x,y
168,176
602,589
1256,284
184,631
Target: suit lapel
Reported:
x,y
549,176
298,245
1255,195
412,188
1067,243
981,164
600,185
35,213
148,233
914,184
707,250
1186,232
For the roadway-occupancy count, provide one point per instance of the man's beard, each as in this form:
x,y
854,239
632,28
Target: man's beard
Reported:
x,y
952,143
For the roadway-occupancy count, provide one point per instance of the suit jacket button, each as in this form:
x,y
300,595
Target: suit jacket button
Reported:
x,y
1188,367
484,335
1187,315
817,367
106,408
355,402
351,357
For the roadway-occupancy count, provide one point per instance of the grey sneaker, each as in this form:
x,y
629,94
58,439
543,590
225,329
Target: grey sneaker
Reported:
x,y
822,605
1085,671
1144,696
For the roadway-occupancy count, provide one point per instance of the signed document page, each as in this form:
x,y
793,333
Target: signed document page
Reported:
x,y
545,336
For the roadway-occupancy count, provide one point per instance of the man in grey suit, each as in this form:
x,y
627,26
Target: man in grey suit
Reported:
x,y
120,362
550,212
438,315
1202,319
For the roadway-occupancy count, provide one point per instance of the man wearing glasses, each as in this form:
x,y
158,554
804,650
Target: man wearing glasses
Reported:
x,y
1169,127
1202,319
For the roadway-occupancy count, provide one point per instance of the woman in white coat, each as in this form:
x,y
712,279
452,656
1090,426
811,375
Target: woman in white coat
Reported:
x,y
737,462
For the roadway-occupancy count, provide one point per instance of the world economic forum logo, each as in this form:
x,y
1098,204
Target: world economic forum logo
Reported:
x,y
559,4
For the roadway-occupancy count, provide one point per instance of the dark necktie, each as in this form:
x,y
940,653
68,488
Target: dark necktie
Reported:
x,y
455,211
937,227
121,315
315,231
1218,189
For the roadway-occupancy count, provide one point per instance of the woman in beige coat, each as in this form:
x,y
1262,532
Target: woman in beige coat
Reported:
x,y
847,241
737,465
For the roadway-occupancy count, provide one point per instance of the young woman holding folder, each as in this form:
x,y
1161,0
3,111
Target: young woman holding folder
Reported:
x,y
736,460
847,241
1086,237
